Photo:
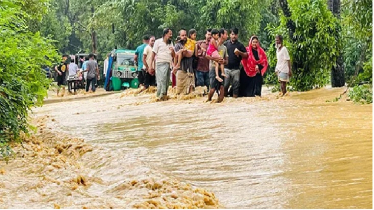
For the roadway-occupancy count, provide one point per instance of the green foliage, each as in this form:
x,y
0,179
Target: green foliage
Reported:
x,y
270,17
353,50
357,35
362,94
367,74
313,49
122,24
270,77
56,27
358,14
133,19
233,13
23,83
270,20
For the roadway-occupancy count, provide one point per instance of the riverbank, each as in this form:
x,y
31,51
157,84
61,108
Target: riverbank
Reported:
x,y
79,95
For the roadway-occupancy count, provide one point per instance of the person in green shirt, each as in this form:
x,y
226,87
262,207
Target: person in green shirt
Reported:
x,y
138,59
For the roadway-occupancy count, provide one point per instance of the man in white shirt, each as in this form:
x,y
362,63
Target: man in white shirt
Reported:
x,y
72,78
148,65
164,49
283,67
73,68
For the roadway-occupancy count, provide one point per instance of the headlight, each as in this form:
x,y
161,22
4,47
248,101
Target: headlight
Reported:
x,y
118,74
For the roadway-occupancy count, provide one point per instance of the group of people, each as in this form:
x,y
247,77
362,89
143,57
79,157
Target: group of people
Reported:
x,y
222,65
214,62
68,73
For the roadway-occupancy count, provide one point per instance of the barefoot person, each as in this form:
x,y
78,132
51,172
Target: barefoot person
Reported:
x,y
202,71
215,85
61,77
148,66
92,73
188,50
138,59
213,52
174,72
236,52
73,70
185,74
254,69
164,50
283,67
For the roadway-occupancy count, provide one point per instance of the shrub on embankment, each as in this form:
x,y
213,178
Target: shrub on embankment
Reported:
x,y
23,82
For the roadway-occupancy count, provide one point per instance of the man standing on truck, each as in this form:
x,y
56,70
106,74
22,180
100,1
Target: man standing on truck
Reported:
x,y
138,59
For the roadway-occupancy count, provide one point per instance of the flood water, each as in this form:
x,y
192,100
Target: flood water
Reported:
x,y
297,151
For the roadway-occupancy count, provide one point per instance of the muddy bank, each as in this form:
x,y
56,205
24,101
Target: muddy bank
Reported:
x,y
52,170
78,95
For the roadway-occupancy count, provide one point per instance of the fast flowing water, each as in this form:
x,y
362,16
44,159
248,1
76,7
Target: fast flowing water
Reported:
x,y
297,151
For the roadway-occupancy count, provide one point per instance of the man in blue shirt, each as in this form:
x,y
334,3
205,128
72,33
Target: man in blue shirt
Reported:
x,y
138,59
84,67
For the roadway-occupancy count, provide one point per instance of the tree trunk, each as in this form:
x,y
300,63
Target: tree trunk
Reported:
x,y
93,36
67,8
290,24
337,71
94,42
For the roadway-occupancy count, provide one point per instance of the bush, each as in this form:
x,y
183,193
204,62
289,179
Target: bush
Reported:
x,y
23,82
361,94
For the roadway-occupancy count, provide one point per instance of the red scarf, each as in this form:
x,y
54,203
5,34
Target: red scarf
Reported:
x,y
250,63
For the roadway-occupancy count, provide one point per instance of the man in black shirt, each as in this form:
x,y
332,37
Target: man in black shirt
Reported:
x,y
61,77
236,52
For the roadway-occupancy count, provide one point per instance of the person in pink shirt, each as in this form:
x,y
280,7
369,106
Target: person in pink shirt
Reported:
x,y
213,52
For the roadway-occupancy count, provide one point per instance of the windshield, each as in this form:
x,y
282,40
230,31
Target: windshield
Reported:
x,y
124,59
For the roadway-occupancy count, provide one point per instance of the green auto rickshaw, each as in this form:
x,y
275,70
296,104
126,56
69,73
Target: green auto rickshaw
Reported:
x,y
124,73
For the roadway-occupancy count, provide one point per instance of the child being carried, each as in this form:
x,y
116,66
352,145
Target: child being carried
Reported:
x,y
213,52
188,51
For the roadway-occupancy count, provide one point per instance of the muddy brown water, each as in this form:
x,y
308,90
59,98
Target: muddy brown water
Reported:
x,y
297,151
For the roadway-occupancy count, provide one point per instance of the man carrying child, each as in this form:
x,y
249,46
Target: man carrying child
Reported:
x,y
185,74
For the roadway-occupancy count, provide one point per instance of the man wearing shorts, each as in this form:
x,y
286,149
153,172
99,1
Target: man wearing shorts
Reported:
x,y
283,67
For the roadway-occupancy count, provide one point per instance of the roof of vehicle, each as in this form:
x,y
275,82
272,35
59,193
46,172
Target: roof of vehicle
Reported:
x,y
125,51
85,53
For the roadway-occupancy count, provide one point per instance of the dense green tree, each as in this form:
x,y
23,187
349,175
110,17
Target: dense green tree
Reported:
x,y
57,28
244,15
122,23
311,31
357,35
23,82
352,31
357,45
